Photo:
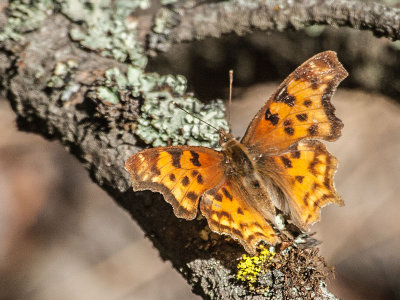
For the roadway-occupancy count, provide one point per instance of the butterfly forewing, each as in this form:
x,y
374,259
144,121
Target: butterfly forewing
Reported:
x,y
182,174
300,108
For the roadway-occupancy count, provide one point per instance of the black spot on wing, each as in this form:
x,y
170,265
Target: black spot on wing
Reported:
x,y
313,130
237,232
300,178
307,103
218,197
226,215
325,196
195,158
199,179
311,166
315,186
295,154
172,177
287,123
155,170
316,203
185,181
192,196
227,194
315,83
286,161
305,198
240,211
302,117
285,97
176,157
327,180
289,130
273,118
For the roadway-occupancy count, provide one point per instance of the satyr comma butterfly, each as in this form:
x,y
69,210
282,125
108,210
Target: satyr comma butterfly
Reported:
x,y
277,164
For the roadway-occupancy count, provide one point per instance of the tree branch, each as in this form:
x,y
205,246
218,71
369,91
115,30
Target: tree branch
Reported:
x,y
243,17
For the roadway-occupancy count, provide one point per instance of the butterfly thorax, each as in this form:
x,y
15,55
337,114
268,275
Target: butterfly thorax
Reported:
x,y
237,157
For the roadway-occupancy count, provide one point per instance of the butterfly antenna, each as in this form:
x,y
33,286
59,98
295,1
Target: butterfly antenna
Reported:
x,y
230,96
180,107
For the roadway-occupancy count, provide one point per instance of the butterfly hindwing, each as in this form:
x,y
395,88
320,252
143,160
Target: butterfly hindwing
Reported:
x,y
227,211
181,173
305,175
300,108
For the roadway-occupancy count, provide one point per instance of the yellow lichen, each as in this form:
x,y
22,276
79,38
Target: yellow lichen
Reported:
x,y
249,267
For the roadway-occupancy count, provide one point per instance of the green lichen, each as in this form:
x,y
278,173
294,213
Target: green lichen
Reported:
x,y
167,2
107,95
25,16
315,30
62,73
103,28
161,122
63,79
395,44
249,268
164,21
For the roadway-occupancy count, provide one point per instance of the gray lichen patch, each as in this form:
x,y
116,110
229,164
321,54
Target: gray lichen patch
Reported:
x,y
62,73
100,26
25,16
63,79
161,122
103,28
116,99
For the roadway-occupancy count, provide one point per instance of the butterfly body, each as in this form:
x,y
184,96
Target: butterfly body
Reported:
x,y
237,157
242,165
278,164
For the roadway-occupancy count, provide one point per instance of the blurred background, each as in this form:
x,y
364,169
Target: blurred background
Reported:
x,y
62,237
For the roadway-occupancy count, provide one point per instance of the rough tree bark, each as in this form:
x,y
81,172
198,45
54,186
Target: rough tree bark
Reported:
x,y
27,63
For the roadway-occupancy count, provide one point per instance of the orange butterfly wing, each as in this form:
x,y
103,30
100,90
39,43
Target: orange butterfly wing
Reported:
x,y
182,174
305,175
300,108
227,211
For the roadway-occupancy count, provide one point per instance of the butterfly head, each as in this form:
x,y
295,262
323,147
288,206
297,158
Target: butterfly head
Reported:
x,y
224,137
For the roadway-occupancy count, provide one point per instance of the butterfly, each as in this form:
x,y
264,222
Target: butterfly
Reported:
x,y
279,165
